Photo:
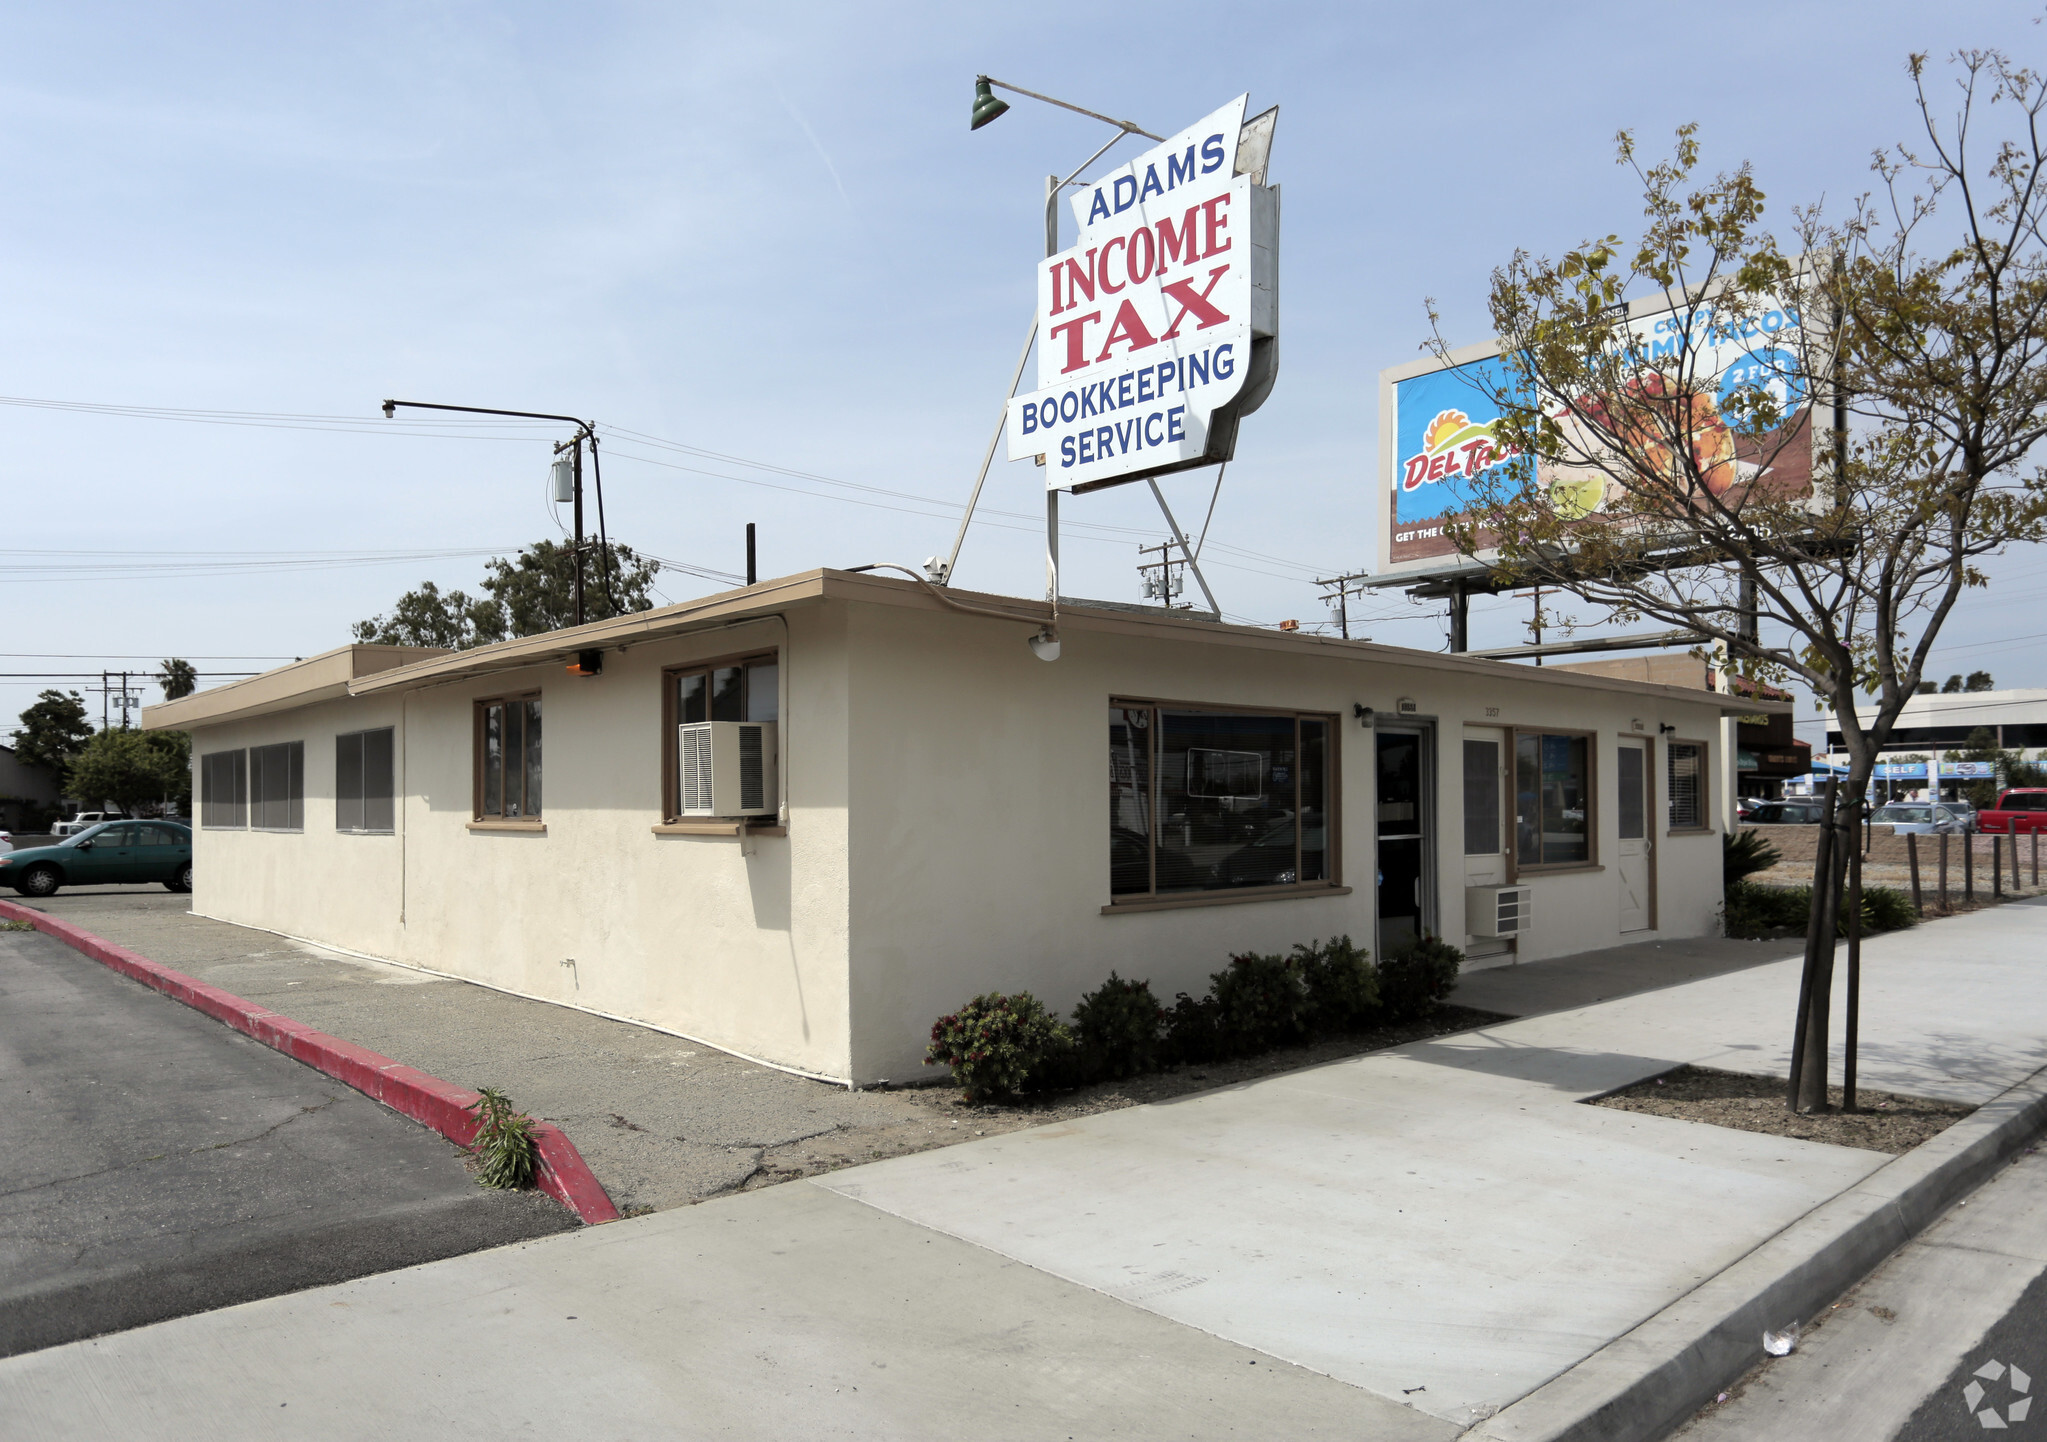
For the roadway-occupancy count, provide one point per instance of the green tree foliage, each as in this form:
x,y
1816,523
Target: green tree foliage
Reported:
x,y
429,616
51,733
1956,685
522,597
128,768
177,678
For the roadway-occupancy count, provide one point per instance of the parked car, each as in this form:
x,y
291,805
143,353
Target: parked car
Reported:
x,y
1919,818
1787,813
133,852
1745,807
2020,811
6,842
1965,811
85,820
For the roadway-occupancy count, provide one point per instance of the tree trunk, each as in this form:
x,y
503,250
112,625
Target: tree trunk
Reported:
x,y
1808,1087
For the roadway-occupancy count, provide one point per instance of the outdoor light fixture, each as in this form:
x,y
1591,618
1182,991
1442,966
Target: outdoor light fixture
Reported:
x,y
1045,644
1664,728
587,663
986,106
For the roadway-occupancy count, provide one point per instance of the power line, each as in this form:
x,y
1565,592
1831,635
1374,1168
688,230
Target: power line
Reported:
x,y
464,429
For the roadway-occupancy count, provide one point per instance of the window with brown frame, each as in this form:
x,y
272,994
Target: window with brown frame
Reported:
x,y
1218,800
1687,768
1553,817
733,688
508,758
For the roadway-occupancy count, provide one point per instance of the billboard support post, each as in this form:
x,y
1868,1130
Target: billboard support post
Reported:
x,y
1174,526
1460,618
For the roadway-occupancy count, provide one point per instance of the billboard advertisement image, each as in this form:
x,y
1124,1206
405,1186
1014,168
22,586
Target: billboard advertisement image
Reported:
x,y
1155,327
1437,421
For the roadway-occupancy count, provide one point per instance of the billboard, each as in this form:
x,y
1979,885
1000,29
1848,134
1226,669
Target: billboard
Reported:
x,y
1156,329
1437,418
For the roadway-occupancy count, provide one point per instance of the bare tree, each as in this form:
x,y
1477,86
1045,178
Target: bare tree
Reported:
x,y
1816,509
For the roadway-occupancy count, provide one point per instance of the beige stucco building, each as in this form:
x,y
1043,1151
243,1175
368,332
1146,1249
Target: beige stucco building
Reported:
x,y
949,813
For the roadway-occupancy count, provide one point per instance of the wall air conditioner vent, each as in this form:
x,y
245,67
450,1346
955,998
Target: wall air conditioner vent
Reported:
x,y
1498,911
726,768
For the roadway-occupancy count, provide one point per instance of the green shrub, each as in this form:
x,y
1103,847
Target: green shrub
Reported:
x,y
505,1151
1886,908
1343,987
1415,977
1743,854
1194,1031
1119,1027
997,1044
1754,910
1264,1002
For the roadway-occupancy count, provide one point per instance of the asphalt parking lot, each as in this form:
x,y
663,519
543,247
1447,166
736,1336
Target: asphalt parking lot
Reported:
x,y
158,1163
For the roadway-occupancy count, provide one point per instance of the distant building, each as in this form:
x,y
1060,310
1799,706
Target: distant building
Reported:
x,y
2018,719
1768,755
22,786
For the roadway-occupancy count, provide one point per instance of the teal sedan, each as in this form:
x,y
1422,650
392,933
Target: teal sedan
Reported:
x,y
113,851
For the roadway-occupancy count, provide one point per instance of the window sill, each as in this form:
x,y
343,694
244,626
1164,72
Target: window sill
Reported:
x,y
1530,873
533,827
716,828
1222,898
360,831
1700,830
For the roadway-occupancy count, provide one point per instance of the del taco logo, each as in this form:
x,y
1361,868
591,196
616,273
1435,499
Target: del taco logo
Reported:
x,y
1453,444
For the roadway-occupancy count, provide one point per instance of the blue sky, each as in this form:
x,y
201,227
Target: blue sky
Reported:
x,y
766,232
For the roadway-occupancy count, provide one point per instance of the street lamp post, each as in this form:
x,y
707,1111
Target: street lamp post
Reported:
x,y
987,107
585,430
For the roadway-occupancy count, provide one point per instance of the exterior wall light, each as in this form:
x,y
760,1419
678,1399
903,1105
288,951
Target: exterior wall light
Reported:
x,y
1045,644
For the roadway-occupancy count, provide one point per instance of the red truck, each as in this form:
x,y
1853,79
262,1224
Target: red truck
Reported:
x,y
2017,812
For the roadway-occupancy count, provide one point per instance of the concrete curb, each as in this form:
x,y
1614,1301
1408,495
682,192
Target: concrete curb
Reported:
x,y
1653,1378
564,1175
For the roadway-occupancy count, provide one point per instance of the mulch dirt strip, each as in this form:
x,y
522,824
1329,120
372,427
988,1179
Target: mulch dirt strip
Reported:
x,y
426,1099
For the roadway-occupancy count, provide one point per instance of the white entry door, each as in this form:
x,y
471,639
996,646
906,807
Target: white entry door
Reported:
x,y
1637,859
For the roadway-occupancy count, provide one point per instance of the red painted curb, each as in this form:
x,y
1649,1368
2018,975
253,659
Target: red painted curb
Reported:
x,y
564,1175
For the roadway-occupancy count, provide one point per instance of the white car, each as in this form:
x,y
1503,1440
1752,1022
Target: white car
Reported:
x,y
6,842
83,821
1908,818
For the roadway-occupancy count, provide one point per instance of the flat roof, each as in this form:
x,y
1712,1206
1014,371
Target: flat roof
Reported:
x,y
324,677
368,670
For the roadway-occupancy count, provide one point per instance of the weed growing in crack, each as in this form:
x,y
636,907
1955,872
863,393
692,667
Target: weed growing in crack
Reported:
x,y
505,1151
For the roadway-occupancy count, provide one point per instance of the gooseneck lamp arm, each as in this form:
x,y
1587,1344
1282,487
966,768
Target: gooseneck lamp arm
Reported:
x,y
1131,127
586,429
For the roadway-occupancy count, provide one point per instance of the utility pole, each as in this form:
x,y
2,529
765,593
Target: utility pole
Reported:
x,y
1336,594
1163,580
585,430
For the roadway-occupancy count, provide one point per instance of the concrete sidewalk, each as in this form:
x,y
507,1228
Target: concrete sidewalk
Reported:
x,y
1418,1237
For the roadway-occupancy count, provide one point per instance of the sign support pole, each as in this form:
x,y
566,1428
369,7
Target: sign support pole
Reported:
x,y
1052,547
1192,564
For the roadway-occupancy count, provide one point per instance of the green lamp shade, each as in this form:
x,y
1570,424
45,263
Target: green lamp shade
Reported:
x,y
986,106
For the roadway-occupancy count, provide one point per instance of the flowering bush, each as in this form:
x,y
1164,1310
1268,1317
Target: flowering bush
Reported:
x,y
997,1044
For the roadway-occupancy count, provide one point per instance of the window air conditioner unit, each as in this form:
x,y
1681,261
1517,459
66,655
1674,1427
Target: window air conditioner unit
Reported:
x,y
726,768
1498,910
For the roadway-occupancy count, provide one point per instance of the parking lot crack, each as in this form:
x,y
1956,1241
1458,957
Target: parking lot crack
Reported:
x,y
161,1156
